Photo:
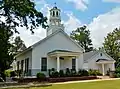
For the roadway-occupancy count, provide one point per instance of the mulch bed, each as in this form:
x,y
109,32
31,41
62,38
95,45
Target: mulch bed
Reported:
x,y
54,80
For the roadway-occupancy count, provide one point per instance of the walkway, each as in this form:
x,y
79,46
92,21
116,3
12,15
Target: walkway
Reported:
x,y
87,81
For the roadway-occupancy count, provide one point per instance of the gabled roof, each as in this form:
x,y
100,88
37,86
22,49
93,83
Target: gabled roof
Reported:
x,y
48,37
88,56
56,33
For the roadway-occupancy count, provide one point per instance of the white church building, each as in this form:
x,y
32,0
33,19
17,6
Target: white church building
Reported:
x,y
59,51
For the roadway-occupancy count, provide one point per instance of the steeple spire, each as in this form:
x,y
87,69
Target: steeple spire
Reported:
x,y
55,4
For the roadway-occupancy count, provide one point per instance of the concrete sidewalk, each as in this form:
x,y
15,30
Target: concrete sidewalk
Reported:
x,y
86,81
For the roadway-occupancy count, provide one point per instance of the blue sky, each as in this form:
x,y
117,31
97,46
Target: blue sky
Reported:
x,y
94,8
100,16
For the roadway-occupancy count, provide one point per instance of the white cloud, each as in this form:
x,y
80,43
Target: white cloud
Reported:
x,y
29,38
80,4
116,1
104,24
72,23
39,33
99,27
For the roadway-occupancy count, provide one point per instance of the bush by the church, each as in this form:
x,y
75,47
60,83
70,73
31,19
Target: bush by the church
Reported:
x,y
61,73
83,72
67,72
55,74
41,76
94,72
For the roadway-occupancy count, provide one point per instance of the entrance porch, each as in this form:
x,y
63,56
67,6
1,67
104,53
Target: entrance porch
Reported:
x,y
65,59
105,65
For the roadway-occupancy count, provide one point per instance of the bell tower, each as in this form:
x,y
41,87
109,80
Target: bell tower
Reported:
x,y
54,21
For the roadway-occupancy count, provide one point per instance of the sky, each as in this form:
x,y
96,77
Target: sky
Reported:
x,y
100,16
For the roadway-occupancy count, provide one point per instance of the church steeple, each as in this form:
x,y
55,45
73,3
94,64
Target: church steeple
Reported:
x,y
54,21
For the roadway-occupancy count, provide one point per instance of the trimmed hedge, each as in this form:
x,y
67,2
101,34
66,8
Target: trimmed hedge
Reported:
x,y
83,72
72,73
94,73
41,76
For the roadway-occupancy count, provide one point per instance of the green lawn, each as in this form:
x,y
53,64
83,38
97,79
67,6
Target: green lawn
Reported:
x,y
111,84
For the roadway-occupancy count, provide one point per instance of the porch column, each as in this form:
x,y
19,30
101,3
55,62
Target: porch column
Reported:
x,y
76,63
58,63
103,69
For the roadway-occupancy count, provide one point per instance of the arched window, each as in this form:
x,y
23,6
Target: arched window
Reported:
x,y
57,13
53,13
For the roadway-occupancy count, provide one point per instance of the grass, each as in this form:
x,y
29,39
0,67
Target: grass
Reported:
x,y
110,84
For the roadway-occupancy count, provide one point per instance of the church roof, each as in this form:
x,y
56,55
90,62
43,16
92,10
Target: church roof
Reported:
x,y
55,8
46,38
57,31
88,55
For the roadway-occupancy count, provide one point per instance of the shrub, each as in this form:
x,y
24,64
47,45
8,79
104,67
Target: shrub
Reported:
x,y
73,73
13,74
68,73
83,72
61,73
94,72
7,73
49,72
41,76
19,72
55,74
116,73
117,70
53,69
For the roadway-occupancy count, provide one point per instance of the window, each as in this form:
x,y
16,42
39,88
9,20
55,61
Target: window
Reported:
x,y
26,65
53,13
74,64
100,54
18,63
57,13
44,64
22,62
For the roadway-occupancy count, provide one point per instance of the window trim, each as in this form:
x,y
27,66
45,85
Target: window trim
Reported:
x,y
74,63
44,65
18,65
22,65
26,64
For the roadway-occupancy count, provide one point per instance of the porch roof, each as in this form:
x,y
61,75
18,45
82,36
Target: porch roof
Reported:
x,y
63,53
102,61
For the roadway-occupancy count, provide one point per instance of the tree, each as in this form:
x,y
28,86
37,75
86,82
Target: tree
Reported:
x,y
112,45
82,36
20,13
16,13
18,45
6,56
